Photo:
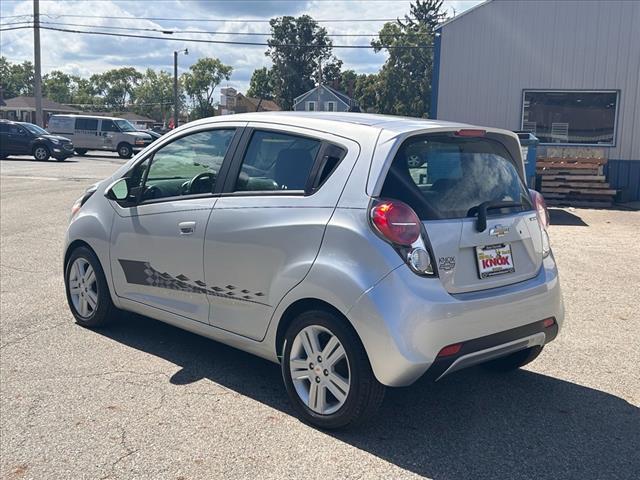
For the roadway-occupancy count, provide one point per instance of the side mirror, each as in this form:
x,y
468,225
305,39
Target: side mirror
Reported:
x,y
118,190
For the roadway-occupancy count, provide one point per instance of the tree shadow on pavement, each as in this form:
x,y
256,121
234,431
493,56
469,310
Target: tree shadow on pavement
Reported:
x,y
472,424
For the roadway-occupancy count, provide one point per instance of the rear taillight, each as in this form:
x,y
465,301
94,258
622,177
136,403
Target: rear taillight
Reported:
x,y
543,220
396,222
470,132
541,209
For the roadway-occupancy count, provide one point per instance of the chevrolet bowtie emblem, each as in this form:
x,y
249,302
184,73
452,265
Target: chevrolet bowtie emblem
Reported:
x,y
499,231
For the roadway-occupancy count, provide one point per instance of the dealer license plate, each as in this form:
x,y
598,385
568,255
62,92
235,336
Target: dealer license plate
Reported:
x,y
494,260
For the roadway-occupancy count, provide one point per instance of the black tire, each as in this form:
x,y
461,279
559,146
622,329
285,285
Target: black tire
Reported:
x,y
81,151
3,156
41,153
365,393
125,150
104,310
514,360
60,159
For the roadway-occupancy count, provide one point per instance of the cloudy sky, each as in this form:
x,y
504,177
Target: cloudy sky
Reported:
x,y
87,54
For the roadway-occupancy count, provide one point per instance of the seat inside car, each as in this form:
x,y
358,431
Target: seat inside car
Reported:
x,y
292,168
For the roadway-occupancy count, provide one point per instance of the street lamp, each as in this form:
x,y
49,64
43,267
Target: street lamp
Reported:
x,y
175,85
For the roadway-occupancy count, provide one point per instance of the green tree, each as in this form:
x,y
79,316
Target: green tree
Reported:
x,y
117,86
366,92
154,95
404,82
346,82
200,82
84,94
261,85
297,46
16,78
57,86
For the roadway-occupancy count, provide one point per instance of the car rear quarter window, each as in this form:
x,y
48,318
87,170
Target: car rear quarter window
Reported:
x,y
443,176
277,161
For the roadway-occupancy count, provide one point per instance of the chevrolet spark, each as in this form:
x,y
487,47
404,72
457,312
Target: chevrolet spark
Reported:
x,y
358,251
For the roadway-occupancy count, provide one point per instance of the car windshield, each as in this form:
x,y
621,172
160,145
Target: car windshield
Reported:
x,y
35,129
125,126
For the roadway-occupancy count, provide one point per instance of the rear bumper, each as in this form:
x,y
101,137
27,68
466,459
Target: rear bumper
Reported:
x,y
405,320
483,349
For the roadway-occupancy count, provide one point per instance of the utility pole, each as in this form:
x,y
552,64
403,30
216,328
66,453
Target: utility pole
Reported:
x,y
319,83
176,108
37,71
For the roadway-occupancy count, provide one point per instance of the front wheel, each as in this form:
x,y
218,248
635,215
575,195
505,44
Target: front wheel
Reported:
x,y
87,290
327,373
81,151
513,361
40,152
125,150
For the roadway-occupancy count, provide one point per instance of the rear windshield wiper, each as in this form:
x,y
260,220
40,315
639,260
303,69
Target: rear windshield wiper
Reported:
x,y
481,211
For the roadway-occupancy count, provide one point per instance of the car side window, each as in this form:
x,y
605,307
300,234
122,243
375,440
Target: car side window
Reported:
x,y
188,165
87,124
17,130
109,126
277,161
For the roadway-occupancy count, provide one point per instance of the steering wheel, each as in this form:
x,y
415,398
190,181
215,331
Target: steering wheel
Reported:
x,y
201,183
152,192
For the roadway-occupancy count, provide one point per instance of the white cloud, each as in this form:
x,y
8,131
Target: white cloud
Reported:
x,y
87,54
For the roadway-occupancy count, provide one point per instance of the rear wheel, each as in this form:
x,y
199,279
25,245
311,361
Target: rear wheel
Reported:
x,y
81,151
87,290
513,361
327,373
41,152
125,150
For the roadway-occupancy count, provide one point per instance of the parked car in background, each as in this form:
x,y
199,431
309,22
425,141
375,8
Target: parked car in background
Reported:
x,y
100,133
154,135
21,138
358,251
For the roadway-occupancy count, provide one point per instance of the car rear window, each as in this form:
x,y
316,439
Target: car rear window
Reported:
x,y
444,176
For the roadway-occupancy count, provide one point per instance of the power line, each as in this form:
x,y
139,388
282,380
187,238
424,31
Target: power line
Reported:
x,y
171,31
229,20
221,42
14,28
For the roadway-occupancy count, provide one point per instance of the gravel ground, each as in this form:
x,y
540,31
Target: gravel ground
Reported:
x,y
145,400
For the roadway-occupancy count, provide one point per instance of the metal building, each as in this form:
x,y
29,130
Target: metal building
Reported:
x,y
569,71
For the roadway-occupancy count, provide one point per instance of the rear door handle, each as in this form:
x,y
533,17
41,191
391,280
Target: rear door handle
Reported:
x,y
186,228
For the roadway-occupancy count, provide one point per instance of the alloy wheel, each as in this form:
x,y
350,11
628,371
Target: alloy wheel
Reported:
x,y
40,153
320,369
83,287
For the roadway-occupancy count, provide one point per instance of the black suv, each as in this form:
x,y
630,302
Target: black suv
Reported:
x,y
21,138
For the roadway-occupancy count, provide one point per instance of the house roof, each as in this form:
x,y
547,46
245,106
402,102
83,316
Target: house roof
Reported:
x,y
133,117
344,98
29,103
265,105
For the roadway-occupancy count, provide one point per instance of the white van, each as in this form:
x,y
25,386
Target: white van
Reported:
x,y
88,132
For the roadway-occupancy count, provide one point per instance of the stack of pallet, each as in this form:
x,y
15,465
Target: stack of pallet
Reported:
x,y
577,182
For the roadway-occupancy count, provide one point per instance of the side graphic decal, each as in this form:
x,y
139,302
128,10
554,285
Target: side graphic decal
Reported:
x,y
142,273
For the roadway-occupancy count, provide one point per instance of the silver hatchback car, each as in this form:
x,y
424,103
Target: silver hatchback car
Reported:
x,y
358,251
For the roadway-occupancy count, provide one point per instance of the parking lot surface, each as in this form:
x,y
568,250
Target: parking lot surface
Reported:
x,y
145,400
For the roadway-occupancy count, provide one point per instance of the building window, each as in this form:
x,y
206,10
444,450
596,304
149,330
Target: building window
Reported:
x,y
311,106
330,106
571,117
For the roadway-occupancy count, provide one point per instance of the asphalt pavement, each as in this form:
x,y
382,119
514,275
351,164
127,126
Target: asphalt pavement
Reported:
x,y
144,400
